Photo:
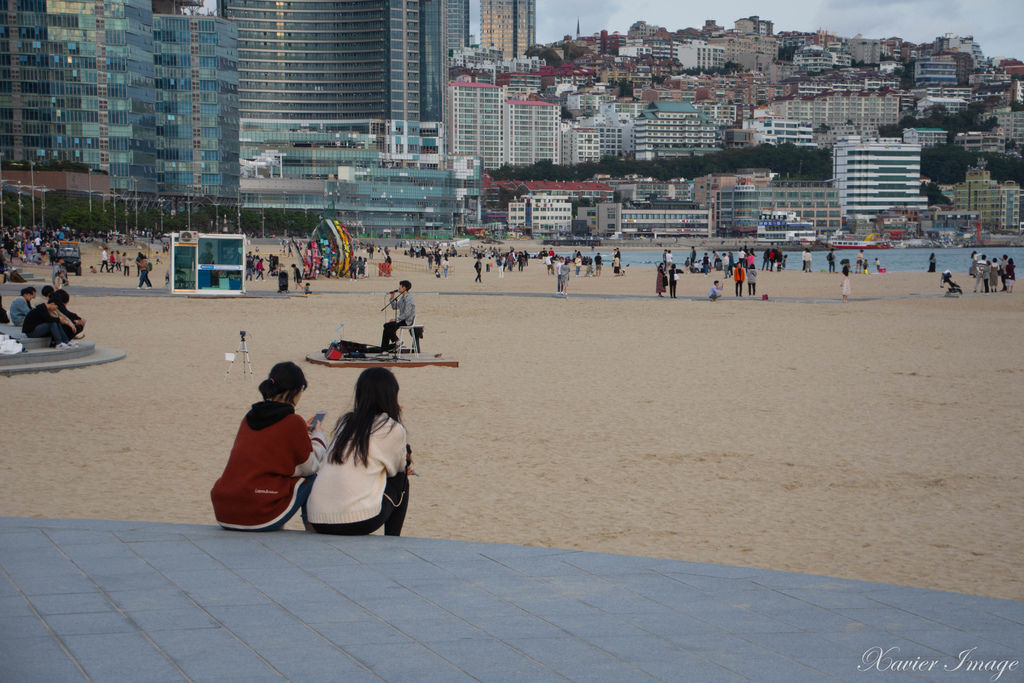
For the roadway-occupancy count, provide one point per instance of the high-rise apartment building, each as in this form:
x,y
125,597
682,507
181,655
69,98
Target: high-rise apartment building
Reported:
x,y
531,132
509,25
458,24
876,174
474,121
997,204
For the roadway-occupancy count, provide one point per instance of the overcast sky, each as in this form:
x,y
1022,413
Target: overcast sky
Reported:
x,y
996,24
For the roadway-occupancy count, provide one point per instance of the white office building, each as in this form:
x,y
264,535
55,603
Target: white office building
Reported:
x,y
579,145
771,129
672,129
698,54
541,214
876,174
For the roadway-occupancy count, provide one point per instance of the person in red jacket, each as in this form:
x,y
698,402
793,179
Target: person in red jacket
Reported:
x,y
262,486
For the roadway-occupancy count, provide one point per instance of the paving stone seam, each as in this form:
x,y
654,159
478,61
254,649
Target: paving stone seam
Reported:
x,y
248,583
378,618
571,553
46,625
117,608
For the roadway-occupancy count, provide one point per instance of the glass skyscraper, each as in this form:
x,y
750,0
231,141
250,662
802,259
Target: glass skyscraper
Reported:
x,y
149,98
458,24
76,80
315,60
196,106
433,58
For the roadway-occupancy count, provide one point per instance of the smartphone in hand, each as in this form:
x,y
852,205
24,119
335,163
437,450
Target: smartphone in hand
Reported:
x,y
317,419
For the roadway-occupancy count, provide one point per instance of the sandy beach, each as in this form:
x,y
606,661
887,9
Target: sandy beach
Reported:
x,y
876,440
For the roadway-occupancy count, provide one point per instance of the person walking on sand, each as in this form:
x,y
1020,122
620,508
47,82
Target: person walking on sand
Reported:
x,y
931,262
831,258
144,268
478,268
1011,276
673,277
739,275
844,289
807,260
659,283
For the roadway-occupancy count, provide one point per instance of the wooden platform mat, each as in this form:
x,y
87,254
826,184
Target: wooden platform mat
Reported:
x,y
405,360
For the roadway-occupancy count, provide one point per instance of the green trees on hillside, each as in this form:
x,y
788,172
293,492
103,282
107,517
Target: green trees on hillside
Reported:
x,y
791,162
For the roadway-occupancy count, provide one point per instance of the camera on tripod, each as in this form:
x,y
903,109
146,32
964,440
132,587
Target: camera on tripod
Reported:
x,y
241,333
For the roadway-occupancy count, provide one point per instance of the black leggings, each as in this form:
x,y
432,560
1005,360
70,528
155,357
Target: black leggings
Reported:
x,y
393,507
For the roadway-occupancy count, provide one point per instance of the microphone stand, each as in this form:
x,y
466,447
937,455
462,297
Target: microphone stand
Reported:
x,y
391,302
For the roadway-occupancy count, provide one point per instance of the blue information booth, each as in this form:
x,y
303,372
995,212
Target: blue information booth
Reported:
x,y
207,264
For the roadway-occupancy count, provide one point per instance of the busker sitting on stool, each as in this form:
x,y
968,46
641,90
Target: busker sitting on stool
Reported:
x,y
406,314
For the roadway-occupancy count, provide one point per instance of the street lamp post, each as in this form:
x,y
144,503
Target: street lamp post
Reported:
x,y
32,175
1,190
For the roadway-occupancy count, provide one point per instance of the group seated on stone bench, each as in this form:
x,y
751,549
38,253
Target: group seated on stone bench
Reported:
x,y
50,319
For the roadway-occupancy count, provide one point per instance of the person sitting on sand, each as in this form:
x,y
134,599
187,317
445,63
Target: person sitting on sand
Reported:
x,y
262,485
364,482
715,292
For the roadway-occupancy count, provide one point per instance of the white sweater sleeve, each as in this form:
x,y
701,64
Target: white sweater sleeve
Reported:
x,y
391,448
316,456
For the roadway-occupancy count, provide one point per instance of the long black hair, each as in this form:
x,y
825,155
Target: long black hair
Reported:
x,y
284,383
376,393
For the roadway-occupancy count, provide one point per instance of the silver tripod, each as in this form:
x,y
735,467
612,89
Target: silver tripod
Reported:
x,y
244,350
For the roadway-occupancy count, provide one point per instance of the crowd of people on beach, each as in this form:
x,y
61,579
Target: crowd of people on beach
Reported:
x,y
992,275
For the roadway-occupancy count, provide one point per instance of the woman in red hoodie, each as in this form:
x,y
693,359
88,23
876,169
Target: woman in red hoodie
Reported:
x,y
262,486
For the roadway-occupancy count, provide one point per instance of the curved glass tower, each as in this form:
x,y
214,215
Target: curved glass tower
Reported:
x,y
320,60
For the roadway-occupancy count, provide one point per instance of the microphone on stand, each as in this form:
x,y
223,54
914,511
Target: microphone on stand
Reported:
x,y
394,291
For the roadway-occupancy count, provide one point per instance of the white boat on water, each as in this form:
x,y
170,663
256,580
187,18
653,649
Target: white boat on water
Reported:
x,y
781,227
872,241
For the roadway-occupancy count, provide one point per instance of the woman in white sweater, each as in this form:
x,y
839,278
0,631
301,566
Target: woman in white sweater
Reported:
x,y
363,483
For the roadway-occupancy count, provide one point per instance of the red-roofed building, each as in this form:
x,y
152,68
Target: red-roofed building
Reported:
x,y
574,190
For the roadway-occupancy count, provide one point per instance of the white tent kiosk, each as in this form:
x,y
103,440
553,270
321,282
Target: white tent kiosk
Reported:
x,y
207,264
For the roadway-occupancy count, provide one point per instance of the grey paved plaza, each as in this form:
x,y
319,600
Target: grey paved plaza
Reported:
x,y
131,601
